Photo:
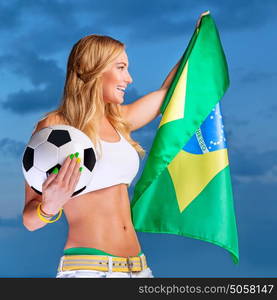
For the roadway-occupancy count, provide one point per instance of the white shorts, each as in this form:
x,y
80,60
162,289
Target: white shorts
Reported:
x,y
147,273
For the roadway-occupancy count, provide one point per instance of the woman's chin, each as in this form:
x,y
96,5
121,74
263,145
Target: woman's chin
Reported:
x,y
119,100
115,101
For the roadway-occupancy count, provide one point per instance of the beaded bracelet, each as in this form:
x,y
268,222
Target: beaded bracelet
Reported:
x,y
44,219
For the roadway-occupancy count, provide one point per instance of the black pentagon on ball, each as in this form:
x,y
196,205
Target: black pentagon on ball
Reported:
x,y
28,159
59,137
89,158
51,170
78,192
40,193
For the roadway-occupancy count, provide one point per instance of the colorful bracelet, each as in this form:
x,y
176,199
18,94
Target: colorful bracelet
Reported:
x,y
44,219
45,214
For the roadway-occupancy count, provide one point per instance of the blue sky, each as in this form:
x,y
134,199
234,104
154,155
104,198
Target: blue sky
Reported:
x,y
36,38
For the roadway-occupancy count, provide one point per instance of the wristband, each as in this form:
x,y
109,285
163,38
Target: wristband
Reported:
x,y
45,214
44,219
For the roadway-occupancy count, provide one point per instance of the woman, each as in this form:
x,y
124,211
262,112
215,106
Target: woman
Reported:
x,y
101,239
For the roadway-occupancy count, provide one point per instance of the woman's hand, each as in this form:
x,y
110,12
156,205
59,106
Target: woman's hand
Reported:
x,y
58,188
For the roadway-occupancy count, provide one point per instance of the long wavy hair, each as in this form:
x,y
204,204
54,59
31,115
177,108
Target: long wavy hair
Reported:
x,y
82,104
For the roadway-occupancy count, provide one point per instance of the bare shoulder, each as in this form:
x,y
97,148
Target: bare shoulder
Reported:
x,y
50,119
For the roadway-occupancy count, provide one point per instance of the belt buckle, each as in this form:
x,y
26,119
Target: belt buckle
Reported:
x,y
141,261
129,264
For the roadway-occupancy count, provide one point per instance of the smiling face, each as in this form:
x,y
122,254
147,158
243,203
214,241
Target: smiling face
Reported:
x,y
116,79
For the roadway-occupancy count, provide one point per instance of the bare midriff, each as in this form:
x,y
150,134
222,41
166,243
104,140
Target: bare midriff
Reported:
x,y
101,219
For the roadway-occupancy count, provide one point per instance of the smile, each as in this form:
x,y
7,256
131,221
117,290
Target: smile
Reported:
x,y
121,90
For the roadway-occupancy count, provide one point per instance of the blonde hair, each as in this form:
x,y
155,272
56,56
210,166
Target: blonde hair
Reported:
x,y
82,105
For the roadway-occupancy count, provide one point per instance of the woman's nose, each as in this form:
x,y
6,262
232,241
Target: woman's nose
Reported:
x,y
129,79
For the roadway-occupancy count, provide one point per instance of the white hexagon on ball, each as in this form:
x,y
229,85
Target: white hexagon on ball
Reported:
x,y
70,148
39,137
45,156
35,178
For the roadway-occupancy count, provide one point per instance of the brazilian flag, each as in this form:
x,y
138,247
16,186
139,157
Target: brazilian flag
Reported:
x,y
185,187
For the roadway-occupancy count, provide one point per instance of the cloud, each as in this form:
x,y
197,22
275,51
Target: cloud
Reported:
x,y
255,206
29,64
9,14
270,112
13,13
255,76
146,19
250,166
68,21
11,148
47,79
237,15
45,76
23,102
29,42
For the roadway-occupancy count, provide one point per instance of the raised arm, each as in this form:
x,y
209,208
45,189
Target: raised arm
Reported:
x,y
170,76
147,108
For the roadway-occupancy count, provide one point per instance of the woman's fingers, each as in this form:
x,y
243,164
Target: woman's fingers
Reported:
x,y
64,167
75,177
75,163
49,179
68,175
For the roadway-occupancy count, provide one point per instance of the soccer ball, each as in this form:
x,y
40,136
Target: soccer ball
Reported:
x,y
48,149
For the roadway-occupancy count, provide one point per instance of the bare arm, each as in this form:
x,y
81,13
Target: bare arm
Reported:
x,y
30,218
147,108
170,76
56,190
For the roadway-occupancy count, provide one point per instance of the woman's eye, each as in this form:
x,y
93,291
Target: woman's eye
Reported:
x,y
121,68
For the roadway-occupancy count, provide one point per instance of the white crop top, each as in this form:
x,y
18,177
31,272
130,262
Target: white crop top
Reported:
x,y
119,163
